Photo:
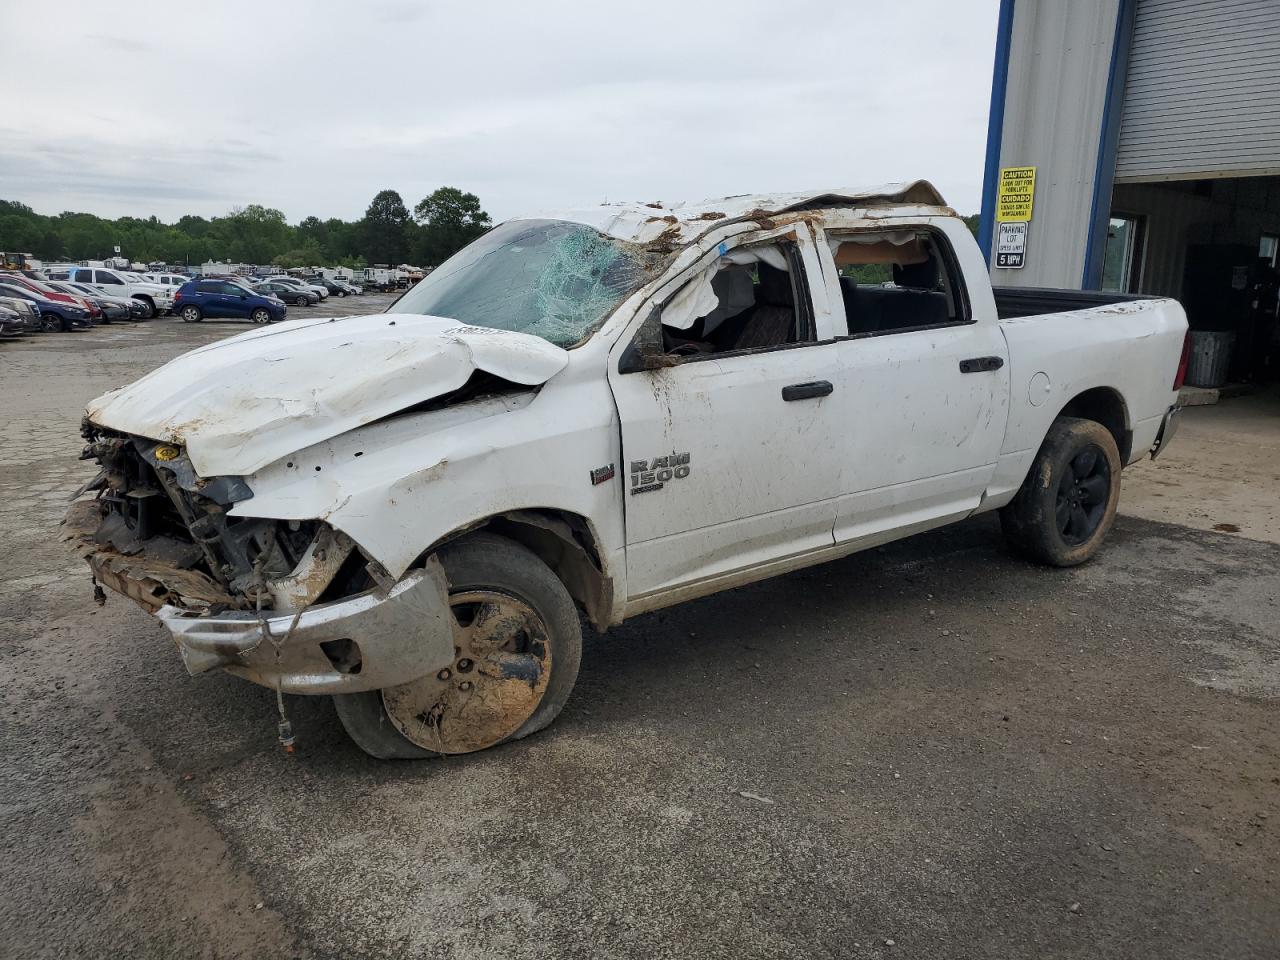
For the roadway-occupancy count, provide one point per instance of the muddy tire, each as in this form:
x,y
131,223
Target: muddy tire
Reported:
x,y
518,643
1068,502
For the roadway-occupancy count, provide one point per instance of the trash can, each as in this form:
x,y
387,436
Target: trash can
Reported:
x,y
1210,356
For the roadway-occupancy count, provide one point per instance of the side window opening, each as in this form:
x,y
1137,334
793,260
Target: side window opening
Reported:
x,y
750,298
896,280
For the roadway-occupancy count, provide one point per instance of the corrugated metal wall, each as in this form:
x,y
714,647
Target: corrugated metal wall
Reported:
x,y
1060,56
1203,91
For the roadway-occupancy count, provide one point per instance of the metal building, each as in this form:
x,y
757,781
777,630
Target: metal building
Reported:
x,y
1153,127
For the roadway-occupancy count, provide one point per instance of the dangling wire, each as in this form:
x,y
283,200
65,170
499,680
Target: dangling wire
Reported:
x,y
284,728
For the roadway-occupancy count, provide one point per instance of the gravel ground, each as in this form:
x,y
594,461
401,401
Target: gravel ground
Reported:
x,y
928,750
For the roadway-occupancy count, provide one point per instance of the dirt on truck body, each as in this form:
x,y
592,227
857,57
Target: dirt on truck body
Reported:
x,y
603,412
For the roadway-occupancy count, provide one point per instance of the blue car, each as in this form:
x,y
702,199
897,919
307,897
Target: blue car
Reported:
x,y
198,299
54,314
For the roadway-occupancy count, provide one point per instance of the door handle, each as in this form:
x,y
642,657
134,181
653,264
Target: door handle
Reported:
x,y
981,364
805,391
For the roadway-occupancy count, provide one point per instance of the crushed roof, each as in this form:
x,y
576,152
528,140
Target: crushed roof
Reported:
x,y
681,222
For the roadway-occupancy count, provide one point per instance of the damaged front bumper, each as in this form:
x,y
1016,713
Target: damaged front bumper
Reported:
x,y
374,639
363,643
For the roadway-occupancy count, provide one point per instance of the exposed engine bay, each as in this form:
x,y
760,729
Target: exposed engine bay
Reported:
x,y
161,534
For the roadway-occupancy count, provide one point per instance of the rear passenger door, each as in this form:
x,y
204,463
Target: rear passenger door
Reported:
x,y
922,377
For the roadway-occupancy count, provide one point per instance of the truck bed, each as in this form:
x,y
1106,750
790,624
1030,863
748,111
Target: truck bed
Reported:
x,y
1013,302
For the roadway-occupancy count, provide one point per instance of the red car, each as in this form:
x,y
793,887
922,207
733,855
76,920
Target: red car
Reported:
x,y
49,293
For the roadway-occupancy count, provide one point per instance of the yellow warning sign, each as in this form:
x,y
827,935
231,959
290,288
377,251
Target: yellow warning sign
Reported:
x,y
1016,195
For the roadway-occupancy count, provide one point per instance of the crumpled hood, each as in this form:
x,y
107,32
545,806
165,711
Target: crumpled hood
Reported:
x,y
241,403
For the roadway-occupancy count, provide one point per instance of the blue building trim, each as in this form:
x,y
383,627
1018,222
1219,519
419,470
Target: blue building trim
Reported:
x,y
1104,174
995,127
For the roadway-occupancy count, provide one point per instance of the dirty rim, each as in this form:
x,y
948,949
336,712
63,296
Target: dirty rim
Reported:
x,y
1082,495
499,674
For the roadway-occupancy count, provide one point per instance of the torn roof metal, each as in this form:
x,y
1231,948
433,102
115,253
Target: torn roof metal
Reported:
x,y
683,221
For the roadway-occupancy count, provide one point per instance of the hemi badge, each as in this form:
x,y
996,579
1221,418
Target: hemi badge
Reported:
x,y
601,474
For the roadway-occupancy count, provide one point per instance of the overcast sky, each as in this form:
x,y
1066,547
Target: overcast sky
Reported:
x,y
171,107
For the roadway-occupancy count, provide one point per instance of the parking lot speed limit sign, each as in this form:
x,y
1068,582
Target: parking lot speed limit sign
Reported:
x,y
1011,245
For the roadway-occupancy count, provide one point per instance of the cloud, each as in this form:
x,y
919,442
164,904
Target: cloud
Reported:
x,y
125,44
314,107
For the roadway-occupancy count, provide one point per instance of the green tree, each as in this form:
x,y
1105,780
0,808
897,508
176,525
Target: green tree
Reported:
x,y
307,255
253,234
448,220
384,228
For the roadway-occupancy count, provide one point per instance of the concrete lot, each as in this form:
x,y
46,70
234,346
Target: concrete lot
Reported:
x,y
929,750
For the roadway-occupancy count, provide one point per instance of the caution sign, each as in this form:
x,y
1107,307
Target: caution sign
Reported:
x,y
1016,194
1011,246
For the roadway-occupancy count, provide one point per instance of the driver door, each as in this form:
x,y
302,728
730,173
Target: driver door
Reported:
x,y
730,466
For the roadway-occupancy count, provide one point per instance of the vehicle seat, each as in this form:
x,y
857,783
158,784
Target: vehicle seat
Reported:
x,y
772,321
861,311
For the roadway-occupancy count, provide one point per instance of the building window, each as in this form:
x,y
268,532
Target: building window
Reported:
x,y
1122,259
1269,248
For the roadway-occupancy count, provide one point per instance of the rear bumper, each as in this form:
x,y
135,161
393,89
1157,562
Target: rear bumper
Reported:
x,y
1168,428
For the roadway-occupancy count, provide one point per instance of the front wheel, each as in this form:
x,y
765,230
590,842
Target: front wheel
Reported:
x,y
260,315
51,322
517,645
191,314
302,301
1068,502
150,310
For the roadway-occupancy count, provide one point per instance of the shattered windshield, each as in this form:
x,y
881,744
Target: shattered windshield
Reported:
x,y
550,278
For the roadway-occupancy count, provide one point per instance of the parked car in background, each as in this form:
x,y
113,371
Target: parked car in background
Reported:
x,y
113,308
198,300
137,310
288,294
174,280
157,297
12,323
335,289
42,290
25,309
350,287
54,314
320,292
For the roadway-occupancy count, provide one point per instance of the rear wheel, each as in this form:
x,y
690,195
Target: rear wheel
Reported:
x,y
260,315
191,314
517,645
1068,502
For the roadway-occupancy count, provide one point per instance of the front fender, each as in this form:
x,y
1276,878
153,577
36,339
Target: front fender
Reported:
x,y
400,486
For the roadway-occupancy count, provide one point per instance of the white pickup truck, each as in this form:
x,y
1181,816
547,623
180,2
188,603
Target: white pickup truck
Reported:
x,y
156,297
607,410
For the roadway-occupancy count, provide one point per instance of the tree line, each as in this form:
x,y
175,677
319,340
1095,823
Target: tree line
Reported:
x,y
437,227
